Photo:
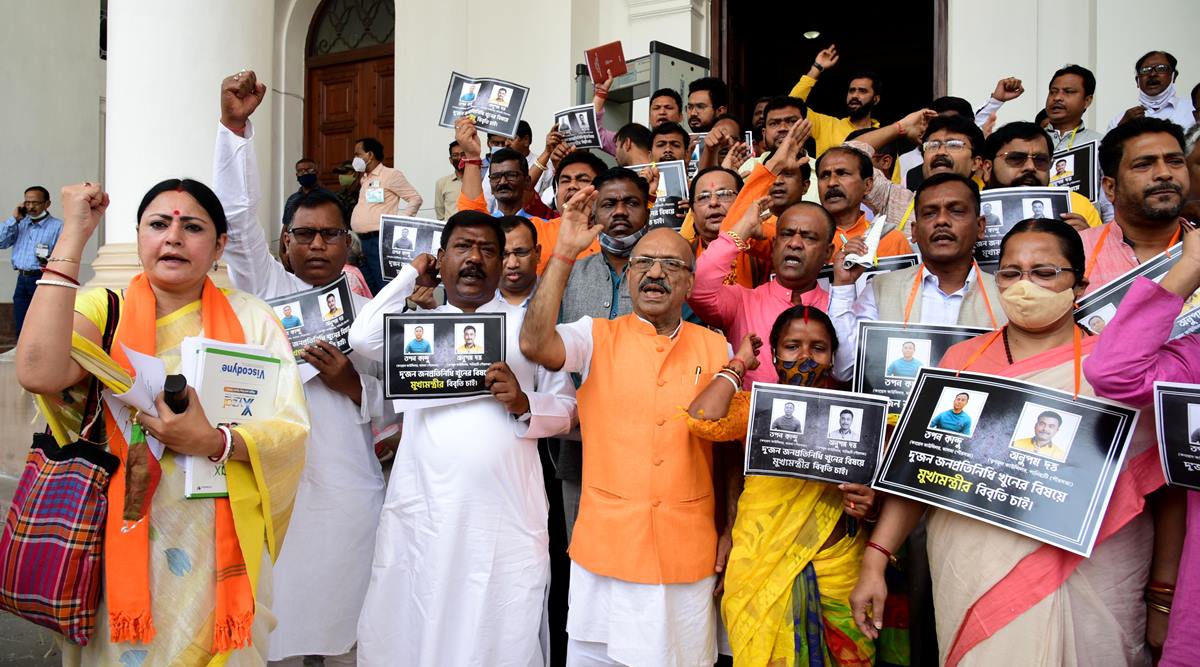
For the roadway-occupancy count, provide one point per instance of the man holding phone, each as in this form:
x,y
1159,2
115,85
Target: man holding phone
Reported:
x,y
31,232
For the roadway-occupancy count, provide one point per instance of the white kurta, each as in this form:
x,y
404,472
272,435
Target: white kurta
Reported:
x,y
321,576
462,555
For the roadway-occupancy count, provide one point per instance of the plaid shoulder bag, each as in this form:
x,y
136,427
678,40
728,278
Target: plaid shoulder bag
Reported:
x,y
52,547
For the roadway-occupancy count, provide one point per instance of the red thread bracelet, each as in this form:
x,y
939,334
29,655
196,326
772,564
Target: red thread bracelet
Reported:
x,y
563,258
891,558
62,275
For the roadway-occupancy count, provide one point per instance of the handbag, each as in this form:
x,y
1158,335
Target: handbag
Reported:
x,y
52,548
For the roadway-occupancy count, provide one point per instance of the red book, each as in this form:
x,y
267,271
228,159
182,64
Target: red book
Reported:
x,y
605,59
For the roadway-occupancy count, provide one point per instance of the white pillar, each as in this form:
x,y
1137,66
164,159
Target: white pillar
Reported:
x,y
166,60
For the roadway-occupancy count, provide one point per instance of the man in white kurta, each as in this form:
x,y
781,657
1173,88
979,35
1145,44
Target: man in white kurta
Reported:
x,y
320,578
462,554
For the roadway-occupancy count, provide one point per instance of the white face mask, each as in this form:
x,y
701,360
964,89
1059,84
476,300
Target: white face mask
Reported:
x,y
359,164
1034,307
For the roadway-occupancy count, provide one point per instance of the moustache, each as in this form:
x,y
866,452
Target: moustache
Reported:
x,y
942,161
1164,187
472,271
1027,178
660,282
834,191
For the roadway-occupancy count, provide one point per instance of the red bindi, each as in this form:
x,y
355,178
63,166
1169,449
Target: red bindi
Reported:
x,y
176,213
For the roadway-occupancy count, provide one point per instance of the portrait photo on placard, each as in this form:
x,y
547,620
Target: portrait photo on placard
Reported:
x,y
1045,432
957,411
289,315
331,305
1063,168
1034,207
405,238
907,356
418,338
787,416
470,91
1194,423
501,96
468,338
845,423
1099,319
993,213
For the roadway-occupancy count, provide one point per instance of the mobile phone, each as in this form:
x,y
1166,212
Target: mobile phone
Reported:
x,y
20,212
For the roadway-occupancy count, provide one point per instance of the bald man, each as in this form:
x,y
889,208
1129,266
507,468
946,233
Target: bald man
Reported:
x,y
644,552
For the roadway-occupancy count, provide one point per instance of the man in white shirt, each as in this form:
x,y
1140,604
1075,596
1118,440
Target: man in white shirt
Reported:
x,y
325,562
1155,74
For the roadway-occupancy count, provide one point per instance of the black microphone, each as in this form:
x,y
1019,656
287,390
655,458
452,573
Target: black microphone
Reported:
x,y
175,393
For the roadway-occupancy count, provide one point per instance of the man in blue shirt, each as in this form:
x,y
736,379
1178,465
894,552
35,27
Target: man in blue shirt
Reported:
x,y
418,345
954,419
31,232
289,321
906,366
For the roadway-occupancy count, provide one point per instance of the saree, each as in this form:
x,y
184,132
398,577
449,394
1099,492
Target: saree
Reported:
x,y
181,548
1005,599
786,599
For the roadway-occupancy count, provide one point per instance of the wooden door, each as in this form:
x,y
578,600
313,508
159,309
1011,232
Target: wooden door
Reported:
x,y
348,96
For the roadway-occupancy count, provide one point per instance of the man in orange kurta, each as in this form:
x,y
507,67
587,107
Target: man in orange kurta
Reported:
x,y
644,549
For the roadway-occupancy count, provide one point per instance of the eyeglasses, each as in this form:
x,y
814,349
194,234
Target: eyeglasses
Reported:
x,y
1160,69
520,253
497,176
1043,275
643,264
723,196
306,235
1019,158
950,145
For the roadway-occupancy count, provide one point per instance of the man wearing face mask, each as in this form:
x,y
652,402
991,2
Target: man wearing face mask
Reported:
x,y
1019,154
342,487
31,232
802,241
385,191
306,176
348,186
508,173
644,550
1146,178
1155,75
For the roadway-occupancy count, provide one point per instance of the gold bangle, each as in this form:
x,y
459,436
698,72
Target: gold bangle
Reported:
x,y
539,165
1159,607
1161,588
61,259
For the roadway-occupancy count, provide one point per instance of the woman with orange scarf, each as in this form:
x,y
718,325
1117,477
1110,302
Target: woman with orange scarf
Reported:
x,y
1005,599
186,582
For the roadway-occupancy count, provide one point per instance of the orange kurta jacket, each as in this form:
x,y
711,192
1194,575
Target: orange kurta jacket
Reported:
x,y
646,511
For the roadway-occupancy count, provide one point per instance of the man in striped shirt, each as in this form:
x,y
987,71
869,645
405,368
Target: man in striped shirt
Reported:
x,y
31,232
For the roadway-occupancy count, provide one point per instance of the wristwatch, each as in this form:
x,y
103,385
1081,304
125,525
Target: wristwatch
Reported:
x,y
817,65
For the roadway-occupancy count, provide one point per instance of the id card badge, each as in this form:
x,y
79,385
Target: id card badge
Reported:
x,y
42,251
374,193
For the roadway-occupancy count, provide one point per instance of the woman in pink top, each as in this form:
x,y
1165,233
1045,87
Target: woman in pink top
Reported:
x,y
1131,354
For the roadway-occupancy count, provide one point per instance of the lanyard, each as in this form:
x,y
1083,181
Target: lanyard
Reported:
x,y
907,212
1077,340
1071,141
916,287
1104,236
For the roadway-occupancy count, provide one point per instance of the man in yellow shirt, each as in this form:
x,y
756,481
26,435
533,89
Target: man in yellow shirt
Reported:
x,y
1042,442
861,99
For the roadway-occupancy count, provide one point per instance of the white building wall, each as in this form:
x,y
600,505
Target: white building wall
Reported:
x,y
53,80
1030,39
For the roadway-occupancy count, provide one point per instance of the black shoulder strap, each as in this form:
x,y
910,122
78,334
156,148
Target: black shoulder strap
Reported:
x,y
91,405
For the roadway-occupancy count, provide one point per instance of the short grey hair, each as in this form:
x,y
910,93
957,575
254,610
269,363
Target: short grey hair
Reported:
x,y
1191,138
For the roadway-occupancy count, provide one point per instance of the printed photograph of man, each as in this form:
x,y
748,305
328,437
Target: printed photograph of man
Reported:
x,y
1194,423
1096,324
787,416
581,118
564,124
470,91
1036,208
843,423
467,339
957,411
993,213
404,241
416,340
500,96
1064,168
333,306
289,315
1099,319
908,359
1052,432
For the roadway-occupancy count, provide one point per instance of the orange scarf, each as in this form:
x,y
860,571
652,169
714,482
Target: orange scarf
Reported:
x,y
127,544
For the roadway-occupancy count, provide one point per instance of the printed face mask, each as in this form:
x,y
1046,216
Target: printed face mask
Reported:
x,y
1033,307
803,372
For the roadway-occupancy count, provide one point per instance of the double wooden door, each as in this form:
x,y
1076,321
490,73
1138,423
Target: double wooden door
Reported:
x,y
348,96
